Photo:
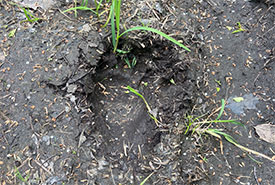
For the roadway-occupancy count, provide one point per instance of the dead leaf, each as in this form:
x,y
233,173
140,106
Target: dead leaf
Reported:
x,y
82,138
229,28
266,132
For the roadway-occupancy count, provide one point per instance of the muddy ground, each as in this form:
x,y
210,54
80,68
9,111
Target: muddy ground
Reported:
x,y
67,116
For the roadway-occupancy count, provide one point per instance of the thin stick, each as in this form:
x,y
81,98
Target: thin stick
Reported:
x,y
45,169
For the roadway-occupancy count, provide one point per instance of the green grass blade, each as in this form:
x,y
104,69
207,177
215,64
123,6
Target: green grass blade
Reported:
x,y
134,62
143,182
27,15
256,161
79,8
222,109
238,123
158,32
18,174
188,126
128,63
122,51
234,142
237,31
211,132
98,6
34,19
109,17
227,121
138,94
113,26
227,137
240,29
221,121
86,3
146,103
117,13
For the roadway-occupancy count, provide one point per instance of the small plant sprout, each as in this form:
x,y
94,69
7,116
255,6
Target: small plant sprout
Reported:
x,y
221,112
131,64
20,177
172,81
151,112
30,18
115,27
205,159
12,33
74,152
128,62
145,84
83,6
218,82
134,62
240,29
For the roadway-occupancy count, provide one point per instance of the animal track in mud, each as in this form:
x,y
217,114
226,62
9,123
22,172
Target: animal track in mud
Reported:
x,y
120,116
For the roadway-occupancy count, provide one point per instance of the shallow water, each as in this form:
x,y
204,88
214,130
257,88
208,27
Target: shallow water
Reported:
x,y
249,102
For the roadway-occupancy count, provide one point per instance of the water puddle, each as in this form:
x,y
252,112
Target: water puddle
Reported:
x,y
249,102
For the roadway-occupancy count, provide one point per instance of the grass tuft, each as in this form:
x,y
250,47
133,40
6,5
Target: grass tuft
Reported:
x,y
203,127
30,18
20,177
114,17
115,23
157,32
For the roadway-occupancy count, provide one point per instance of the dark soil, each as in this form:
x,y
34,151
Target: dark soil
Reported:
x,y
67,116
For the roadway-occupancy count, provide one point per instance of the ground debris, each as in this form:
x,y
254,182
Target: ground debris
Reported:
x,y
266,132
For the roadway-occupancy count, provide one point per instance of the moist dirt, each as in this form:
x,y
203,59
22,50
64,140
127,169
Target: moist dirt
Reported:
x,y
67,116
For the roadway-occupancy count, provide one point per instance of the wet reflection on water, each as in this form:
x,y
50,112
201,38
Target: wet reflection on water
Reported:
x,y
249,102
